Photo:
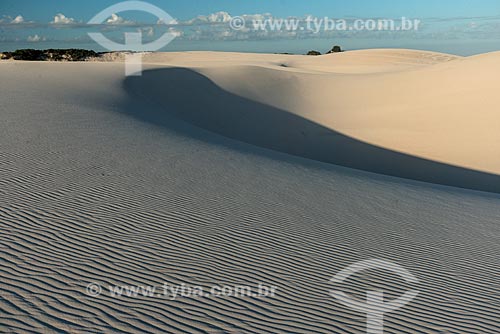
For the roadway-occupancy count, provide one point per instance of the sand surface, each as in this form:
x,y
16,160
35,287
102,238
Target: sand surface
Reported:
x,y
226,169
413,114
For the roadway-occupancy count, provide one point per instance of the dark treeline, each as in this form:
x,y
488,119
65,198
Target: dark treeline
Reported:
x,y
51,54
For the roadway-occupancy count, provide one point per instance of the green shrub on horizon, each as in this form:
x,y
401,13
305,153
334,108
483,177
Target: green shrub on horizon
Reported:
x,y
51,54
335,49
314,53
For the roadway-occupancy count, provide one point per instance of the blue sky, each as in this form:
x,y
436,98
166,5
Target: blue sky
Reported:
x,y
445,22
185,9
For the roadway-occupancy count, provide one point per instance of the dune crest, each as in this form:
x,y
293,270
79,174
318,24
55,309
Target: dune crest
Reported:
x,y
414,114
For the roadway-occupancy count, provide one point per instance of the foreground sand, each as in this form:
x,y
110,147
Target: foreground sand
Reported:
x,y
100,181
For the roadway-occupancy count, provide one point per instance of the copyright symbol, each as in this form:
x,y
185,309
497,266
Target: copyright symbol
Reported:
x,y
93,289
237,23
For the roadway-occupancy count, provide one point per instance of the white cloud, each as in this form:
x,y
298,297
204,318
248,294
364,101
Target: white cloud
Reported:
x,y
162,21
174,32
225,17
115,19
257,17
217,26
18,19
62,19
219,17
149,31
35,38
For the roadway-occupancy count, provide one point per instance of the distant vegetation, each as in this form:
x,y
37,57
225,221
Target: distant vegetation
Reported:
x,y
314,53
50,54
82,55
335,49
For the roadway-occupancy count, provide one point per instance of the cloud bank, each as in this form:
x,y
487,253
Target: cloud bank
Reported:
x,y
62,19
217,27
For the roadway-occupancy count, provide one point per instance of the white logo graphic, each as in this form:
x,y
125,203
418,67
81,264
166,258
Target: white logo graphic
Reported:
x,y
133,40
375,307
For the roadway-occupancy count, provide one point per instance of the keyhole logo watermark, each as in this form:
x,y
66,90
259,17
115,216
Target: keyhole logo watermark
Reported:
x,y
133,40
375,307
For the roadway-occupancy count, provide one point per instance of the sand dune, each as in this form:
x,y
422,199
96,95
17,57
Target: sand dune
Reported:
x,y
419,103
419,115
102,181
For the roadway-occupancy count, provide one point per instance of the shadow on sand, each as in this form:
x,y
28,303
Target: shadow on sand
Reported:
x,y
192,97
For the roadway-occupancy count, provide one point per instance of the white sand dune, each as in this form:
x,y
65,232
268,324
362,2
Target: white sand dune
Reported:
x,y
102,180
413,114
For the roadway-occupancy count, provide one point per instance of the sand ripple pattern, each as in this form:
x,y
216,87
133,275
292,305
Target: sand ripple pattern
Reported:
x,y
89,195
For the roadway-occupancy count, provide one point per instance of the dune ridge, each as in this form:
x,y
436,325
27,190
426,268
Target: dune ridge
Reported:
x,y
395,112
90,194
413,102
